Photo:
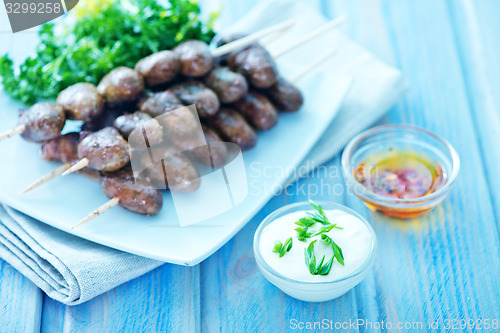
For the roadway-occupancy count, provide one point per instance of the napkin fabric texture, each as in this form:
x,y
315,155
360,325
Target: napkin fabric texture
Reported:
x,y
73,270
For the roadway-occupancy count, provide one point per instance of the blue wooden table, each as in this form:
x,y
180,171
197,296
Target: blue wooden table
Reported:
x,y
440,268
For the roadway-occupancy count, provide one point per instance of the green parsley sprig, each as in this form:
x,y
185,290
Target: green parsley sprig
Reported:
x,y
302,234
322,268
325,229
281,248
87,46
316,216
337,251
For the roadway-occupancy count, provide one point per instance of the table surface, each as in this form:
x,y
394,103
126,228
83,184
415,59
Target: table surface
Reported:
x,y
442,267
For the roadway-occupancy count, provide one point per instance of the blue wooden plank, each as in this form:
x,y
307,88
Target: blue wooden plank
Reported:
x,y
20,302
422,276
164,300
476,32
53,314
235,297
443,265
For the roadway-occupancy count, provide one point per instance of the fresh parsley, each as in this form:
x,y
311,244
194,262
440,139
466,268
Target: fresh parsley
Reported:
x,y
325,229
337,251
97,37
322,268
302,234
281,248
316,216
305,222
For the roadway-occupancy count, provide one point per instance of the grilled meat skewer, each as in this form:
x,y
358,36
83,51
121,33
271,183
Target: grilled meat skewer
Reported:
x,y
126,191
194,92
41,122
285,96
81,101
256,64
104,150
228,85
127,123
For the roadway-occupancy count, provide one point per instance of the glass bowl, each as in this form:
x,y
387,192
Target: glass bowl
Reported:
x,y
312,291
403,137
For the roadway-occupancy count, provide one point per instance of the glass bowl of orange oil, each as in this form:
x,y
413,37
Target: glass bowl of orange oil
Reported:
x,y
402,171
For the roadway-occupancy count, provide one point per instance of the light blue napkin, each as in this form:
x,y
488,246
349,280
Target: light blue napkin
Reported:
x,y
73,270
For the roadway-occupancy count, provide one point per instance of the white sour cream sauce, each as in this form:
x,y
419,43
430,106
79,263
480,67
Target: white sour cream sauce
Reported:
x,y
354,239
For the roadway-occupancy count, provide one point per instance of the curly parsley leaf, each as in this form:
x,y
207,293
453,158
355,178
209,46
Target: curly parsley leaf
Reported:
x,y
92,43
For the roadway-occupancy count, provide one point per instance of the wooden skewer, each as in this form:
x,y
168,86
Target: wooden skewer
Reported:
x,y
47,177
224,49
110,204
325,56
15,131
115,201
244,41
235,45
220,51
276,29
267,40
313,34
77,166
67,168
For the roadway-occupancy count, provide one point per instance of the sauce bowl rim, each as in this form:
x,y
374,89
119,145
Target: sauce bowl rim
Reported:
x,y
351,181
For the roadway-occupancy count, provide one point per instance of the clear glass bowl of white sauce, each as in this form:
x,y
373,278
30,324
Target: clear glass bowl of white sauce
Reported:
x,y
290,273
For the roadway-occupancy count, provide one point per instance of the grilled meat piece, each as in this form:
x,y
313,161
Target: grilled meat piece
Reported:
x,y
81,101
106,150
121,85
44,121
159,68
135,195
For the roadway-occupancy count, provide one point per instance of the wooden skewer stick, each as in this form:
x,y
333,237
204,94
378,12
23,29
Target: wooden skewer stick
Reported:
x,y
224,49
244,41
110,204
15,131
47,177
67,168
77,166
267,40
115,201
313,64
313,34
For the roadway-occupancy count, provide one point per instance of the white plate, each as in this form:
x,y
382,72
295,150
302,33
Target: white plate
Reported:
x,y
65,200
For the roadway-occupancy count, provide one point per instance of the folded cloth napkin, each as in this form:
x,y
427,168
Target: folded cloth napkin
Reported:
x,y
73,270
